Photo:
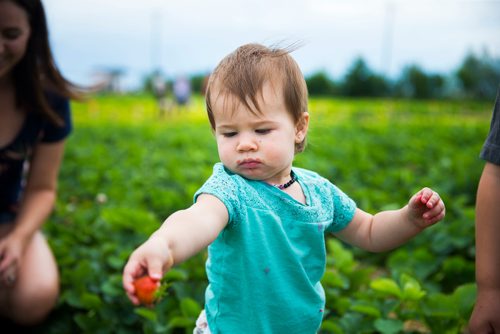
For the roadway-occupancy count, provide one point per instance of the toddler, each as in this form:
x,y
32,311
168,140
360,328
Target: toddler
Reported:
x,y
264,220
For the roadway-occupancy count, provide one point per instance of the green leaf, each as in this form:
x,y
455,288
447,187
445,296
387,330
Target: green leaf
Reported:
x,y
355,323
335,279
465,297
183,322
190,308
367,309
113,286
440,305
386,286
85,322
130,217
411,288
420,262
388,326
116,262
90,301
146,313
330,326
72,298
176,275
343,258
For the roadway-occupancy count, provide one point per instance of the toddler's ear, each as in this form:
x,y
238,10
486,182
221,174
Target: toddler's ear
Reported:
x,y
301,127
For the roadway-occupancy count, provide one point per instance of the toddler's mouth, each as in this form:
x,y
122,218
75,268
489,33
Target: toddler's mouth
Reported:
x,y
248,163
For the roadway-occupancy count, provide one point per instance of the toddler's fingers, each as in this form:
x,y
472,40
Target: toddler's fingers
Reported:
x,y
429,197
438,210
436,218
128,279
133,298
434,200
155,269
131,271
415,200
425,195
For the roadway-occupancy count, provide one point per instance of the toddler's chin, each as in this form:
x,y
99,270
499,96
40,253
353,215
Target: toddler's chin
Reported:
x,y
251,174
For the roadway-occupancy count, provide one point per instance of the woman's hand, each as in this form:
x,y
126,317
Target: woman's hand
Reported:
x,y
484,318
12,250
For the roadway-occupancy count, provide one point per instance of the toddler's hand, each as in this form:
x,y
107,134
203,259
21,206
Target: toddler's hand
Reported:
x,y
426,208
152,258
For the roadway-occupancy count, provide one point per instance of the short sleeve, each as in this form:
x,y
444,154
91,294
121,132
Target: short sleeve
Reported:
x,y
223,185
491,148
53,133
344,209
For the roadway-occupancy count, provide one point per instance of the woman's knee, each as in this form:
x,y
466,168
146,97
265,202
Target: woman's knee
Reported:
x,y
33,305
37,289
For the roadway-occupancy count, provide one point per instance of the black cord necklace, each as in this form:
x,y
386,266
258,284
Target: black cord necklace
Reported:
x,y
287,184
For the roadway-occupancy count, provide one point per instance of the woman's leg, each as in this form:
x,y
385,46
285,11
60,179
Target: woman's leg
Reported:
x,y
36,289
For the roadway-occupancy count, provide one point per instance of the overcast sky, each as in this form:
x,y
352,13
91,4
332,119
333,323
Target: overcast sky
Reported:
x,y
191,36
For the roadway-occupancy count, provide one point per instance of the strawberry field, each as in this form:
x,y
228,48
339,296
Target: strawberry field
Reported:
x,y
126,169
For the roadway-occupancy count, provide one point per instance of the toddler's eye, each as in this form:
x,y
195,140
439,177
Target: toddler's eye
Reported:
x,y
263,131
229,134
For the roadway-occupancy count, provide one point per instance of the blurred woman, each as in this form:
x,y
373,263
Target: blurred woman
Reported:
x,y
34,122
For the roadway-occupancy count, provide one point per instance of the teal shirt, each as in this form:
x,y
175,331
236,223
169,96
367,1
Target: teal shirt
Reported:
x,y
264,268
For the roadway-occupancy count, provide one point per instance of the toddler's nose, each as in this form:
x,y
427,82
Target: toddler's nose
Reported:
x,y
247,142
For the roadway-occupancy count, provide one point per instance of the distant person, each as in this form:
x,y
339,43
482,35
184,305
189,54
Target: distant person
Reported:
x,y
159,86
485,317
182,90
34,122
264,220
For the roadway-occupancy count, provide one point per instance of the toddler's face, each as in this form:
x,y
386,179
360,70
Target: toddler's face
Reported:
x,y
258,146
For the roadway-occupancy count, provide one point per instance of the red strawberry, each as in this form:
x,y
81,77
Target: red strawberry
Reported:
x,y
145,288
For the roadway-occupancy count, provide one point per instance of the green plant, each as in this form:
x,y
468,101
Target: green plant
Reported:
x,y
126,170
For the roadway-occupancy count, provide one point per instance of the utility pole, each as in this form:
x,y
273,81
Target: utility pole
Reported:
x,y
156,40
387,42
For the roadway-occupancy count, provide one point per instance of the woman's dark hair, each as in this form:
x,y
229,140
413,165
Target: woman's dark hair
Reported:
x,y
36,73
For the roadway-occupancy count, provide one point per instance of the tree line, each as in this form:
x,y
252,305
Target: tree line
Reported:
x,y
477,77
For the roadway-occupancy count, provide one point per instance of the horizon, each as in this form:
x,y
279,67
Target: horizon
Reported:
x,y
191,37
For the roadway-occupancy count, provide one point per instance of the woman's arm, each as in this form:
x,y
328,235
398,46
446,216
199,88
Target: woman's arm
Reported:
x,y
41,188
35,206
485,317
488,228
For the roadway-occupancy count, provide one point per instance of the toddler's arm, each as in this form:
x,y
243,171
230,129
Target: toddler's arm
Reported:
x,y
389,229
182,235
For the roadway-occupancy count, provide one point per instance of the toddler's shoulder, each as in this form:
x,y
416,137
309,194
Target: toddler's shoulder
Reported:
x,y
222,180
311,178
306,174
224,185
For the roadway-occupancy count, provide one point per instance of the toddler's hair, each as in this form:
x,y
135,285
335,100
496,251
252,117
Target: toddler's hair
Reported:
x,y
242,74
